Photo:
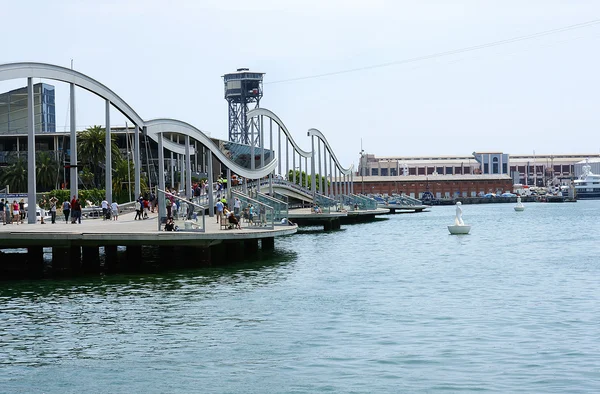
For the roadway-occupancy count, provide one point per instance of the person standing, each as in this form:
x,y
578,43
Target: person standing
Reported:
x,y
43,206
66,207
219,206
2,217
236,208
16,214
114,207
138,210
22,210
76,211
104,205
53,201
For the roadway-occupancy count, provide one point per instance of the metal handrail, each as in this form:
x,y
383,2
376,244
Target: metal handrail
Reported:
x,y
245,198
201,209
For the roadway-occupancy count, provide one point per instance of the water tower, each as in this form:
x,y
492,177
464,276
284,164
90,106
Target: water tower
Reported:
x,y
242,89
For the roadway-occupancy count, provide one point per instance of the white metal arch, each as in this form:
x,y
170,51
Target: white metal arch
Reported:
x,y
156,126
50,71
271,114
318,134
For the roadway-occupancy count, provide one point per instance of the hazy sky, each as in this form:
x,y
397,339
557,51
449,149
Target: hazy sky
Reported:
x,y
166,59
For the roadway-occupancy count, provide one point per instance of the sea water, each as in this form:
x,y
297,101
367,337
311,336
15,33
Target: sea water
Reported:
x,y
395,305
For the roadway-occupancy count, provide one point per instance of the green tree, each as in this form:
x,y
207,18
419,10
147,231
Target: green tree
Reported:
x,y
91,151
123,173
15,176
46,169
306,179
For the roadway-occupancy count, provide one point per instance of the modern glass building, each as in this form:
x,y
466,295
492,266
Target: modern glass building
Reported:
x,y
13,110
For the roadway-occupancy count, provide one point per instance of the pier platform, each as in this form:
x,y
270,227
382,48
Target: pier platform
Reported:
x,y
76,247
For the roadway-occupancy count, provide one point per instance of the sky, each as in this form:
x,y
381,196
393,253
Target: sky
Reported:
x,y
166,59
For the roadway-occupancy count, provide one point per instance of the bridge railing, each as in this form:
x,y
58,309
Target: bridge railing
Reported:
x,y
280,207
404,200
364,203
190,216
262,214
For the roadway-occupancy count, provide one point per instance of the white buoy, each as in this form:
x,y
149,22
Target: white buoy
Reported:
x,y
459,226
519,207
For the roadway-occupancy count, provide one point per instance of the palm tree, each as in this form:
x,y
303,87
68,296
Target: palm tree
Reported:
x,y
92,153
46,170
15,176
122,175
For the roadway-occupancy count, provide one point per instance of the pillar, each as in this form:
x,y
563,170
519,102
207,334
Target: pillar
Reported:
x,y
267,243
90,262
162,211
73,145
108,153
111,260
31,184
35,262
136,162
188,168
211,196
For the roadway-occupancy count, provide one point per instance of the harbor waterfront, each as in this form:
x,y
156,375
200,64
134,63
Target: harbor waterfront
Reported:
x,y
394,305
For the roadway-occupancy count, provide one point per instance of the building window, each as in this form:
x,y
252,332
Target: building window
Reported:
x,y
374,171
486,168
504,168
448,170
495,165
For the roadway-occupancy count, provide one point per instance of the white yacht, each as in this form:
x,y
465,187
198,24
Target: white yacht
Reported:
x,y
587,187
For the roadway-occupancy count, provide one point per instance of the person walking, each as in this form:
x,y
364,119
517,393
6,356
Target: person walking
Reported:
x,y
138,210
43,206
104,205
66,207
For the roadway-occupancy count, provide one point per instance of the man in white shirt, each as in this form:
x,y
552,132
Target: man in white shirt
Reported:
x,y
104,205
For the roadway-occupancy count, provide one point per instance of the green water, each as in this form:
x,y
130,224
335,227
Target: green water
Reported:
x,y
397,305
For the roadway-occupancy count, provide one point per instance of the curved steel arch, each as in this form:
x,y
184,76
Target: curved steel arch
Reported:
x,y
165,125
50,71
318,134
271,114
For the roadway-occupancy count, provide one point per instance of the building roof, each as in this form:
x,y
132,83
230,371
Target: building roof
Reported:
x,y
432,178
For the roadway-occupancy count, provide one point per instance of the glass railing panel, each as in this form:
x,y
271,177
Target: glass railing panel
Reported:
x,y
254,212
280,208
189,216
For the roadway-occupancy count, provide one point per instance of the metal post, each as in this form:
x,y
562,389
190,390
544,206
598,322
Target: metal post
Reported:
x,y
326,187
229,185
181,174
279,149
73,142
320,169
287,159
331,175
271,185
171,165
137,175
312,170
300,168
128,166
108,156
262,142
162,210
211,198
294,166
188,168
31,184
252,158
